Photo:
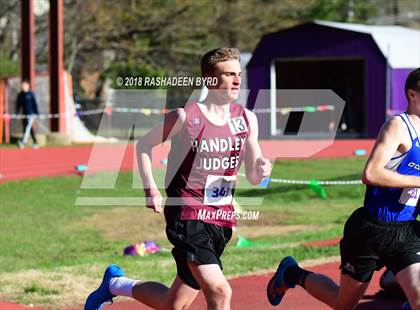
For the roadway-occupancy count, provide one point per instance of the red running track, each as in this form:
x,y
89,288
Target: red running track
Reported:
x,y
249,294
12,306
18,164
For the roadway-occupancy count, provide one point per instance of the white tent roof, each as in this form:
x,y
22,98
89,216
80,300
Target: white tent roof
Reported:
x,y
400,45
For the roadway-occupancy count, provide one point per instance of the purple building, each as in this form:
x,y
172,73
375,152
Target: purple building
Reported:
x,y
366,65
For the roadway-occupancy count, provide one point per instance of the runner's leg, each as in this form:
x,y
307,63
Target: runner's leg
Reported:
x,y
159,296
215,287
409,279
345,296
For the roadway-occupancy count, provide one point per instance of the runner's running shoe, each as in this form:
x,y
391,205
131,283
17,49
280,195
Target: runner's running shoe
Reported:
x,y
102,295
277,286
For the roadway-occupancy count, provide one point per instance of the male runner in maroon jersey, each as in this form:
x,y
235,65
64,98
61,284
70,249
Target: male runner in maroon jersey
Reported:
x,y
209,141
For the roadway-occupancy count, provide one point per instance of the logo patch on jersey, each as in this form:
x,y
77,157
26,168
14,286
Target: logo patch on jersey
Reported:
x,y
349,268
237,125
414,165
417,144
196,121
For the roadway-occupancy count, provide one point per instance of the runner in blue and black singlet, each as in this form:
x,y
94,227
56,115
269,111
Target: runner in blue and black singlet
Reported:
x,y
398,204
385,231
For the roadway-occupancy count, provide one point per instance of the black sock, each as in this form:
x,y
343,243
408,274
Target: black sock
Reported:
x,y
296,275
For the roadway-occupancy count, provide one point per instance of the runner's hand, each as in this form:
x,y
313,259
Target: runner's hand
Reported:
x,y
263,166
154,200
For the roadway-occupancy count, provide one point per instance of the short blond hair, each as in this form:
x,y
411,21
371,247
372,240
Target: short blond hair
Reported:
x,y
211,58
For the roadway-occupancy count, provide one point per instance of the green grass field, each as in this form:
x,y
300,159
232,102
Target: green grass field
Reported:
x,y
52,252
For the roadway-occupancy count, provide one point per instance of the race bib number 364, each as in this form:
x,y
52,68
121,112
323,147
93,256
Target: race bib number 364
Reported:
x,y
218,190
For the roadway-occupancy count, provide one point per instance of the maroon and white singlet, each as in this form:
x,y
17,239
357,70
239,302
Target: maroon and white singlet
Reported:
x,y
203,164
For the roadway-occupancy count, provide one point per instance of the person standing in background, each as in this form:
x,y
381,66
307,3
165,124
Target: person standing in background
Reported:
x,y
26,103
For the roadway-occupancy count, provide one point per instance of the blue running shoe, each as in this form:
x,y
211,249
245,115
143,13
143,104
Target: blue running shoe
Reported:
x,y
277,286
102,295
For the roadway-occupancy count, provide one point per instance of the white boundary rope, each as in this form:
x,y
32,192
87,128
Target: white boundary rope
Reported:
x,y
148,111
307,182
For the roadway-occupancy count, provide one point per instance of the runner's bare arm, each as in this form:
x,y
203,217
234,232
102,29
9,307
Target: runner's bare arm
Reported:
x,y
389,140
172,124
256,167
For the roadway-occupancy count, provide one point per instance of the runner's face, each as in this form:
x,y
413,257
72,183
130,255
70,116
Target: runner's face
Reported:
x,y
228,74
25,87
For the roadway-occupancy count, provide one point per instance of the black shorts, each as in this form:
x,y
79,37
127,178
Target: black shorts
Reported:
x,y
194,241
369,244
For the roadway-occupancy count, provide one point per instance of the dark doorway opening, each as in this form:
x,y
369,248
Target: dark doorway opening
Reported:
x,y
345,76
